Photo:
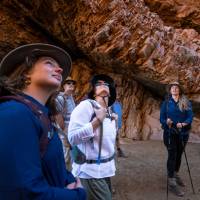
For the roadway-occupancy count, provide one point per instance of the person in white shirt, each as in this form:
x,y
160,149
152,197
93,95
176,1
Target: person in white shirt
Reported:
x,y
92,129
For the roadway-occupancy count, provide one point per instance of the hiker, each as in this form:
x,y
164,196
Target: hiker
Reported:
x,y
32,164
117,108
176,118
66,104
92,133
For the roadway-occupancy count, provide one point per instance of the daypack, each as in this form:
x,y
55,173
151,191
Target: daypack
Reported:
x,y
45,121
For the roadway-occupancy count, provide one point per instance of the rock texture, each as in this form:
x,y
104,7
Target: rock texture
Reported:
x,y
143,45
177,13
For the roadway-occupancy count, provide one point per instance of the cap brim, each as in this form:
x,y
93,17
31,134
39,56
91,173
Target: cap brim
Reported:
x,y
69,80
18,55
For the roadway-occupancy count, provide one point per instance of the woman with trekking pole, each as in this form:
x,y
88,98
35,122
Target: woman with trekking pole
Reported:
x,y
176,118
32,165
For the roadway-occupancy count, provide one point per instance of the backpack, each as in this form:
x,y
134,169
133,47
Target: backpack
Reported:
x,y
45,121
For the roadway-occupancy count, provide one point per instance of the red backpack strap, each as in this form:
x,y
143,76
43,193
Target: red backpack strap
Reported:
x,y
47,131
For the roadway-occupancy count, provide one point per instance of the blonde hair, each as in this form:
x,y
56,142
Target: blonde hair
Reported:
x,y
183,103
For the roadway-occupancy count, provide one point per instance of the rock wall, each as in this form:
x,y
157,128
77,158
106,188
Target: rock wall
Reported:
x,y
143,45
177,13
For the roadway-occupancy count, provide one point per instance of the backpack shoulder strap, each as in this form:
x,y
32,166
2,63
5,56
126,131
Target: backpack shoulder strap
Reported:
x,y
94,105
45,121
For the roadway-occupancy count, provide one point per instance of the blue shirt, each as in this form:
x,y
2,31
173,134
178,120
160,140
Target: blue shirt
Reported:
x,y
24,175
117,108
170,109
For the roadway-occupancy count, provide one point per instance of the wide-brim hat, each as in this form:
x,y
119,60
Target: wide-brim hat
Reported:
x,y
19,55
69,79
172,84
108,80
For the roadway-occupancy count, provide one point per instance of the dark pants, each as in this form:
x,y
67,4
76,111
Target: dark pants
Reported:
x,y
98,189
175,144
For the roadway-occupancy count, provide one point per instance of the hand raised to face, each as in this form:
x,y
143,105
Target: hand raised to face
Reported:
x,y
102,89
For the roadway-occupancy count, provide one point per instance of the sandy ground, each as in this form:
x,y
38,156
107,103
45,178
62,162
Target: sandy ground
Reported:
x,y
142,176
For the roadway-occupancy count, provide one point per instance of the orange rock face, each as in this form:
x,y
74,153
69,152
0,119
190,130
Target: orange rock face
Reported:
x,y
177,13
143,45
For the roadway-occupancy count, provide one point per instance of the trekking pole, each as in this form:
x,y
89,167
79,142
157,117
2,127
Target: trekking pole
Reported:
x,y
167,187
169,142
187,163
189,172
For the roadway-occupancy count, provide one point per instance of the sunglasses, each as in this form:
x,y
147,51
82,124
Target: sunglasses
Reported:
x,y
70,83
99,84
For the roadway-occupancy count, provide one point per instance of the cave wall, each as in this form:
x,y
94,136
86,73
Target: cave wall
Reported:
x,y
143,45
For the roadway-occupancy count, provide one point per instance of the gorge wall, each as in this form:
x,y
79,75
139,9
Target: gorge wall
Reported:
x,y
142,44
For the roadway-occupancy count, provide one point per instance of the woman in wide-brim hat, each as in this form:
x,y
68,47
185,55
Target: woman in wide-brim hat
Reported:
x,y
93,130
32,163
176,118
174,83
